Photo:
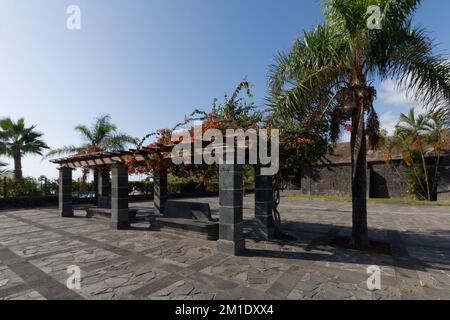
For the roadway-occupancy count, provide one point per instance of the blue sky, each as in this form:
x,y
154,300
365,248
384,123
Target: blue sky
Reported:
x,y
148,63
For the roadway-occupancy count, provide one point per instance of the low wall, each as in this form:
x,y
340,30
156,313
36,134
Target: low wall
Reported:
x,y
38,201
387,181
383,181
52,201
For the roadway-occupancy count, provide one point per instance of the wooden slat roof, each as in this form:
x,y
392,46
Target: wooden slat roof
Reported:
x,y
107,158
92,159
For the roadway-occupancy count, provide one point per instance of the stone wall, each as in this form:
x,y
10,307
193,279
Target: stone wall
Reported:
x,y
384,181
443,191
52,201
38,201
323,181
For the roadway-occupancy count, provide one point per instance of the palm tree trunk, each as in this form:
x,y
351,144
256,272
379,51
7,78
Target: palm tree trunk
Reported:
x,y
17,165
360,234
425,170
434,196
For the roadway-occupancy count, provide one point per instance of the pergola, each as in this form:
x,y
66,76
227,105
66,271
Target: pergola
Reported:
x,y
231,239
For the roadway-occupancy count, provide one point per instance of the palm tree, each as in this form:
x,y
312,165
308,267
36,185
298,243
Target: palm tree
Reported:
x,y
423,135
328,76
16,140
438,124
102,135
3,170
411,131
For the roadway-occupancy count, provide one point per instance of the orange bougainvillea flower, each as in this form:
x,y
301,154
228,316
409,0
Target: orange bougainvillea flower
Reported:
x,y
348,127
302,140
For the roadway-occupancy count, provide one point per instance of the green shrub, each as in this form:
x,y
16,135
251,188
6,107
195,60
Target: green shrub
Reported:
x,y
25,187
144,187
185,185
80,187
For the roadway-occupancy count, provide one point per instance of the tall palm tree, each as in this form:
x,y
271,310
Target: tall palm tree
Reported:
x,y
329,74
102,135
17,140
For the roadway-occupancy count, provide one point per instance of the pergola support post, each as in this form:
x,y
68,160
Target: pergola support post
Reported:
x,y
264,204
65,192
95,174
160,191
231,239
104,188
119,197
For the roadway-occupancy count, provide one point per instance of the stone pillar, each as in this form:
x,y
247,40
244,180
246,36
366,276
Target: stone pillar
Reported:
x,y
264,204
119,197
160,191
104,188
95,173
65,192
231,238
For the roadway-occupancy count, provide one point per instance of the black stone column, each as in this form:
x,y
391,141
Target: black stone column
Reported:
x,y
65,192
160,191
95,172
119,197
264,204
231,239
104,188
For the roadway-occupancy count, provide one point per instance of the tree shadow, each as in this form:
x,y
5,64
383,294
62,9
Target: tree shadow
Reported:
x,y
429,251
410,250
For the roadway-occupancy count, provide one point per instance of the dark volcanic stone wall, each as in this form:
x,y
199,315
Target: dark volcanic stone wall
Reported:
x,y
383,181
322,181
387,181
443,192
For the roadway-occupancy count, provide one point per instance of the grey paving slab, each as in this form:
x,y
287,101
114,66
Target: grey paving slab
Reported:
x,y
37,246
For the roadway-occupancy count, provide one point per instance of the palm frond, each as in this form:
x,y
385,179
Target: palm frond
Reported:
x,y
64,151
406,55
117,141
3,169
15,136
85,132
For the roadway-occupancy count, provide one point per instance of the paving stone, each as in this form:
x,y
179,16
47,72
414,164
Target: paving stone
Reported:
x,y
37,246
25,295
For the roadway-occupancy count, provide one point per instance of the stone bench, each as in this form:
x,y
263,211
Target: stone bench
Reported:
x,y
191,218
106,213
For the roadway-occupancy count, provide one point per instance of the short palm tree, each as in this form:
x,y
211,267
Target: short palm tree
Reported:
x,y
17,140
411,130
329,74
102,135
423,135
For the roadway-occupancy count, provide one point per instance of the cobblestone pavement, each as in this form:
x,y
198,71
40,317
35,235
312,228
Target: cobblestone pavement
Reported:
x,y
37,246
